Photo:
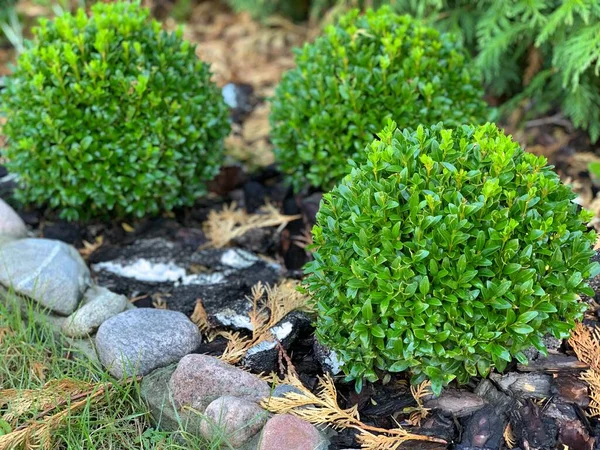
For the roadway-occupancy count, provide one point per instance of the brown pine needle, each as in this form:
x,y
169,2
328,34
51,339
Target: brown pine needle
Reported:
x,y
39,370
419,413
89,248
322,409
230,223
20,402
509,437
37,432
5,331
159,302
269,306
200,318
586,344
128,228
237,347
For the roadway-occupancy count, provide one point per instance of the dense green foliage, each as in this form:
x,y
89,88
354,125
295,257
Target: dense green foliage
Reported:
x,y
447,252
261,9
109,113
546,51
363,71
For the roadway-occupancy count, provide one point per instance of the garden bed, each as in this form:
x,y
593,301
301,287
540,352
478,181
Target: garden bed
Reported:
x,y
206,262
150,260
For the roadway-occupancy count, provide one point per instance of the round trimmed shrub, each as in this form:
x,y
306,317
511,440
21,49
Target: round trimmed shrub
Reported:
x,y
363,71
111,114
447,252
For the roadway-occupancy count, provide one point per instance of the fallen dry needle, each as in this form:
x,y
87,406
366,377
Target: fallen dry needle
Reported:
x,y
223,226
322,409
57,399
586,344
269,306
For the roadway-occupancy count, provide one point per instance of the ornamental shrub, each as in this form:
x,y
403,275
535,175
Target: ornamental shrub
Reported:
x,y
361,72
111,114
447,252
545,51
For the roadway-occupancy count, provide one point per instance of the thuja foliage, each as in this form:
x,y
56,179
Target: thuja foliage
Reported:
x,y
448,252
547,51
111,114
365,70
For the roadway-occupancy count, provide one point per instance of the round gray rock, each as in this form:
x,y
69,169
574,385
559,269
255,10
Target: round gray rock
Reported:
x,y
236,419
98,305
11,225
51,272
137,341
200,379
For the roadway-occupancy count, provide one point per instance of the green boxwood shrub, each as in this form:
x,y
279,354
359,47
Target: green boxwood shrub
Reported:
x,y
447,252
363,71
111,114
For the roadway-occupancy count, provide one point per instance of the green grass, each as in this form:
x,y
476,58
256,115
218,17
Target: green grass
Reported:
x,y
31,355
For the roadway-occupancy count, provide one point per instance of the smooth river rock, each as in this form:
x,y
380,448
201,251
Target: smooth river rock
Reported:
x,y
137,341
98,305
11,225
51,272
201,379
237,419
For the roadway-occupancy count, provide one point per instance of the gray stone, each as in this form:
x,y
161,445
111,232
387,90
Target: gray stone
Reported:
x,y
285,431
51,272
236,419
11,225
282,389
98,304
137,341
156,393
200,379
456,403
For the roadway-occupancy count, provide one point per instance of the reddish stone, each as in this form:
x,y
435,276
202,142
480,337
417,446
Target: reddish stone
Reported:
x,y
234,418
201,379
288,432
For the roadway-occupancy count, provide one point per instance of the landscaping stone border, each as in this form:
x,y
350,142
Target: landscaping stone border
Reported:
x,y
187,392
